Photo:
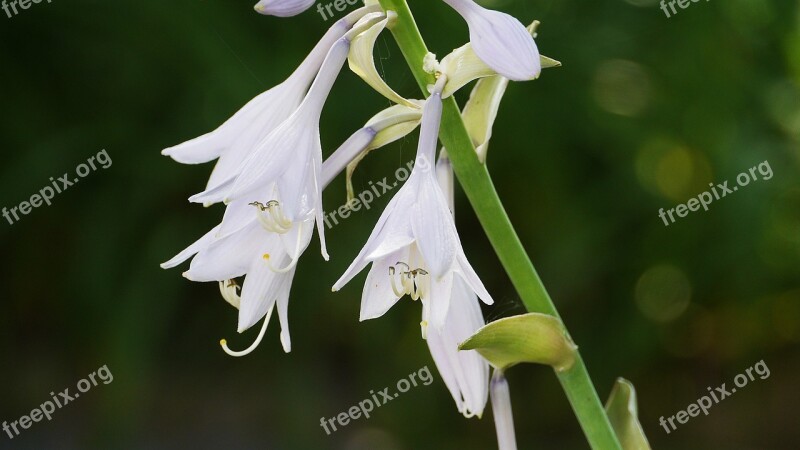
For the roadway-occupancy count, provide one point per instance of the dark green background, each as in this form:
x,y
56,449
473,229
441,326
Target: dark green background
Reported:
x,y
644,114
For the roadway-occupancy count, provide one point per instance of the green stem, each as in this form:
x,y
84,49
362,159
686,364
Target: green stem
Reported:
x,y
480,191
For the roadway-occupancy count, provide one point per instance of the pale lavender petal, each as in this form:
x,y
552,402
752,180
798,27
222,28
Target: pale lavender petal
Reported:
x,y
283,8
500,40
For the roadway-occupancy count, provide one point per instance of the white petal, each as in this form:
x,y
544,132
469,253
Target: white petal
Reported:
x,y
215,194
279,107
373,242
260,291
433,228
228,257
289,144
191,250
471,278
466,374
446,180
439,299
283,310
501,41
237,216
283,8
378,296
296,240
296,184
318,207
211,145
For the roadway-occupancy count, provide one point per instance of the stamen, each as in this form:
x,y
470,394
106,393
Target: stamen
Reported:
x,y
409,283
424,326
274,220
224,343
230,292
396,291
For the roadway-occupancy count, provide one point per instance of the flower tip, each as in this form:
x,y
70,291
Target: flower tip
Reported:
x,y
282,8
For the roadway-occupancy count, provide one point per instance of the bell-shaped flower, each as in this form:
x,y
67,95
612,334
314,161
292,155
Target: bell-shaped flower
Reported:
x,y
414,248
466,373
286,164
501,41
233,141
283,8
256,253
252,248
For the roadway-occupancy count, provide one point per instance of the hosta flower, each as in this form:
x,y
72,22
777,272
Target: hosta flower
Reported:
x,y
501,41
465,373
254,249
235,139
414,249
284,169
283,8
255,252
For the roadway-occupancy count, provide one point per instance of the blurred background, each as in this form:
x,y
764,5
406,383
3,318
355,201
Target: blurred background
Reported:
x,y
644,114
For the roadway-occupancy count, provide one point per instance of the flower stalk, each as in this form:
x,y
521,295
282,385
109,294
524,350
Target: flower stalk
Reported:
x,y
480,191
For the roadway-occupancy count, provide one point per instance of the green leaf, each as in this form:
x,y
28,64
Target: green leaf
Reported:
x,y
532,338
624,416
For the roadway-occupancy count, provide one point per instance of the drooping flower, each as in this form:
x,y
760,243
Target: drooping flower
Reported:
x,y
256,252
466,373
414,248
233,141
501,41
284,169
283,8
253,248
259,237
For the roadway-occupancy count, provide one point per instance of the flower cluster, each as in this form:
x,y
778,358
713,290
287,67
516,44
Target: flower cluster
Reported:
x,y
270,175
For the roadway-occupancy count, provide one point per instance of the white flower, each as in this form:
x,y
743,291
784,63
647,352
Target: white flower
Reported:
x,y
286,164
466,373
252,251
236,139
282,8
414,249
501,41
251,247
